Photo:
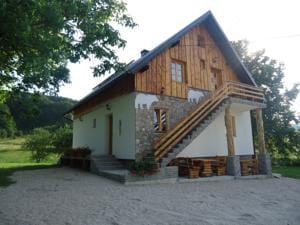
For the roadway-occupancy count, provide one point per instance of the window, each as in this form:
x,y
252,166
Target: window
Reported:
x,y
202,64
94,123
160,120
233,126
120,127
200,41
177,71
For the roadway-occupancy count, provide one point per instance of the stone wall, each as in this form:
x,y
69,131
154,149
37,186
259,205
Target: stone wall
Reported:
x,y
177,108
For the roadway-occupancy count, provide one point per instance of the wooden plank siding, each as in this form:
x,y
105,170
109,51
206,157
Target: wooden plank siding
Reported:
x,y
197,74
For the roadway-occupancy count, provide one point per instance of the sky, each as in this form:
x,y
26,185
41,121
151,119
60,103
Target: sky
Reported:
x,y
270,25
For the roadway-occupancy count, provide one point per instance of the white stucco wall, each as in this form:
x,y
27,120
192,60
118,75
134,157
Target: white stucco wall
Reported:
x,y
212,141
122,108
195,95
142,100
243,141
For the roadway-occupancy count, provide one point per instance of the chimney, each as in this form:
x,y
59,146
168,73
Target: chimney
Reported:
x,y
144,52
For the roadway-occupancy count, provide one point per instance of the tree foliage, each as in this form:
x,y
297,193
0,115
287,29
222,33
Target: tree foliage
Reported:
x,y
268,73
7,123
31,110
39,143
39,37
43,142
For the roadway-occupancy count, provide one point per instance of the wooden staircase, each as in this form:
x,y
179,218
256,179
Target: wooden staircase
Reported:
x,y
172,142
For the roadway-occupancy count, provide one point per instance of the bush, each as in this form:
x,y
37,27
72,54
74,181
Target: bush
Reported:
x,y
62,139
39,143
141,167
19,133
42,142
3,133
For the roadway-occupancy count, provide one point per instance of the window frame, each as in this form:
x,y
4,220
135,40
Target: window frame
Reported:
x,y
201,41
178,64
163,126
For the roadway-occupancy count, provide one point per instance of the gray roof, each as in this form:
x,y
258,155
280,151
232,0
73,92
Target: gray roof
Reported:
x,y
212,26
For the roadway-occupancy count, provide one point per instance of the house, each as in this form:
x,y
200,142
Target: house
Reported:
x,y
191,96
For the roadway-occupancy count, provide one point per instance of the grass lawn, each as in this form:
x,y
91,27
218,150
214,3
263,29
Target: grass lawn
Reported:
x,y
14,158
288,171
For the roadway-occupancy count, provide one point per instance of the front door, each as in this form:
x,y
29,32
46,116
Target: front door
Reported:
x,y
110,134
216,79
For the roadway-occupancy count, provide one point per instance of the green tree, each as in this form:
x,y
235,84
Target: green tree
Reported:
x,y
268,73
39,37
7,123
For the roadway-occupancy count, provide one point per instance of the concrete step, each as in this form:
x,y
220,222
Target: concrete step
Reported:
x,y
117,175
104,163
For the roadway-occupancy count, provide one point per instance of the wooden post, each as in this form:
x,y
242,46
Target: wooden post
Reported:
x,y
260,132
229,132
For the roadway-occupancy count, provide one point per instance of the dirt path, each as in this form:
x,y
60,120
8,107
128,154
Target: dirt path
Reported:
x,y
70,197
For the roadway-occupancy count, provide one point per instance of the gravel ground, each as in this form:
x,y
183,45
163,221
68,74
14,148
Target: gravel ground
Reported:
x,y
68,197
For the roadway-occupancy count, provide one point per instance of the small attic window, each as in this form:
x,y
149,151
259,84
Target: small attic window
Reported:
x,y
202,64
94,123
200,41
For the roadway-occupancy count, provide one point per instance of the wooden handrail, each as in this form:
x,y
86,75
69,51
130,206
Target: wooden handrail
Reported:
x,y
184,126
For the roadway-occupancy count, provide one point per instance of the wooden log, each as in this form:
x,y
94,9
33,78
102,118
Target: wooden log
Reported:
x,y
229,132
244,167
260,132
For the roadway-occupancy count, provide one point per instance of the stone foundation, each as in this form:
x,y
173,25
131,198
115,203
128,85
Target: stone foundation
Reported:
x,y
233,166
265,164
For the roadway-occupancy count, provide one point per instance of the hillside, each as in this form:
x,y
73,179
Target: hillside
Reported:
x,y
30,111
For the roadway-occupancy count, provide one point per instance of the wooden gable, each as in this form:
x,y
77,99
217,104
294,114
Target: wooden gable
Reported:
x,y
200,57
124,86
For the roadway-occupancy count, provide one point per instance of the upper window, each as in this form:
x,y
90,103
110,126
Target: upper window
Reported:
x,y
202,64
200,41
177,71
